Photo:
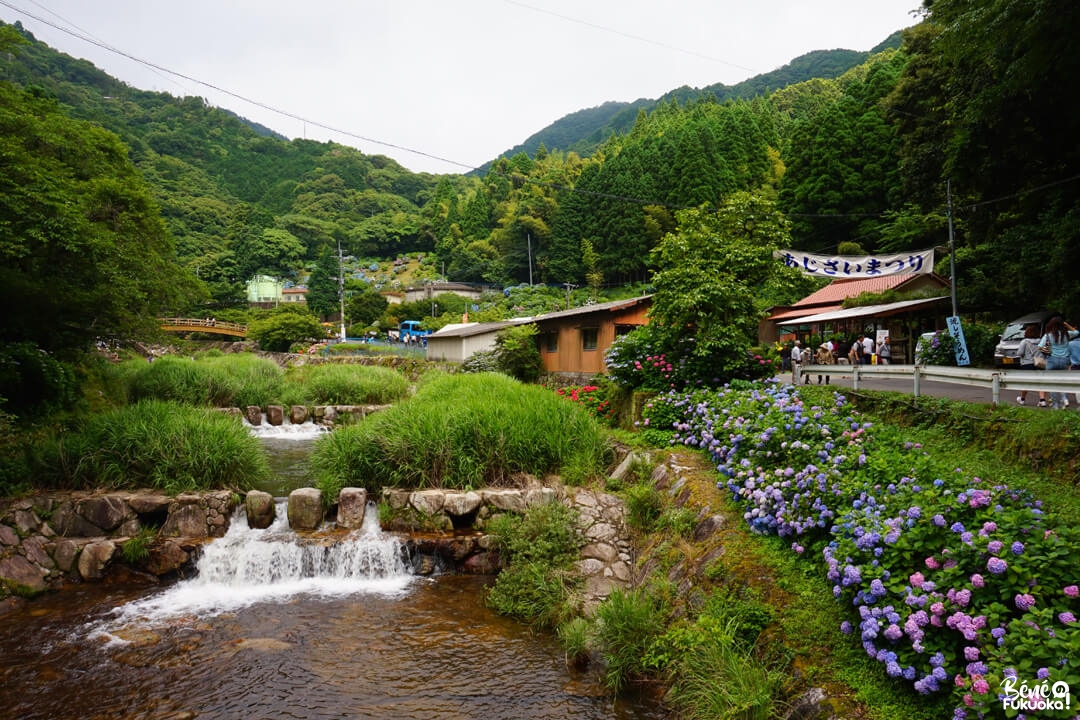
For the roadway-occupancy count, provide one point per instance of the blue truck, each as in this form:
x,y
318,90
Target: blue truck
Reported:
x,y
409,331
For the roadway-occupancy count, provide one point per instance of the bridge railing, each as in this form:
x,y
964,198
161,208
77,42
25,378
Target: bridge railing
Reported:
x,y
993,380
208,324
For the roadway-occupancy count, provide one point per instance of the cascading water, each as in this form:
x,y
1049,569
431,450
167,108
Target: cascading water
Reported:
x,y
249,566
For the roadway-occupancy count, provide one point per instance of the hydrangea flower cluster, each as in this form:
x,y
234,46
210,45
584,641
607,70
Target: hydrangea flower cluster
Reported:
x,y
953,581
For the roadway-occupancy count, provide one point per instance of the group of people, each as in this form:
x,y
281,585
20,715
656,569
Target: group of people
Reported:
x,y
861,351
1057,348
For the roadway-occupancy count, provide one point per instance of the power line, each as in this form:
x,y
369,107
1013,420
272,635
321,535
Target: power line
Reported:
x,y
230,93
638,38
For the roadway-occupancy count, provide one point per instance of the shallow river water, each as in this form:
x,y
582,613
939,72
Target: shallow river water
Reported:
x,y
270,627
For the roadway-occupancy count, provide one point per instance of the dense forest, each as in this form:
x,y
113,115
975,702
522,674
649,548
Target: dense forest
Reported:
x,y
174,204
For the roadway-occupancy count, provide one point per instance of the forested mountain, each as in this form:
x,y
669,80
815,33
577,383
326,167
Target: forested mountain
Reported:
x,y
858,159
583,131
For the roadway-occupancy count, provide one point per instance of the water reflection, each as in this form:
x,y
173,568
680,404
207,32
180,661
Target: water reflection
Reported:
x,y
436,653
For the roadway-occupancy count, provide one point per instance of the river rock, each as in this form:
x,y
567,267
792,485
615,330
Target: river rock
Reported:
x,y
275,414
298,414
253,413
395,498
306,510
185,520
34,548
260,509
503,499
352,504
165,557
22,575
64,554
8,536
94,557
428,502
149,503
104,511
459,504
485,563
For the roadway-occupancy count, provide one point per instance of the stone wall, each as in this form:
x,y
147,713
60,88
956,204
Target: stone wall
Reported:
x,y
53,538
56,538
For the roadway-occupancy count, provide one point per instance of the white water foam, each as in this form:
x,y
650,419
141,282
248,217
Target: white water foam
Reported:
x,y
249,566
287,430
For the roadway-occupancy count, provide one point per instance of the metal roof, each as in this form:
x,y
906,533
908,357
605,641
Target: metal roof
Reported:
x,y
864,311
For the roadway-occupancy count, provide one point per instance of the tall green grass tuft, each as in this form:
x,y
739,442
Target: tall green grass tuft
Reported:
x,y
539,585
156,444
629,622
464,431
351,384
229,380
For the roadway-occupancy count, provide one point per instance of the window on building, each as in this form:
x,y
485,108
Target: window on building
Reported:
x,y
589,338
551,342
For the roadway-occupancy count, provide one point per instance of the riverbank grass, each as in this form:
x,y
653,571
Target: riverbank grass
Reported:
x,y
162,445
464,431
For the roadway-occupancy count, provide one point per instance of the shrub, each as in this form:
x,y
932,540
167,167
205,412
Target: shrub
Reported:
x,y
517,353
279,331
593,398
463,431
629,623
540,547
33,382
644,504
153,444
352,384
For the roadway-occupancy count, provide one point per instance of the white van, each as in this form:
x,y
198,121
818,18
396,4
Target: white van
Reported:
x,y
1005,353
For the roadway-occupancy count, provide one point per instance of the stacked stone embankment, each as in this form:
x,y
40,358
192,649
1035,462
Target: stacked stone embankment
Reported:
x,y
52,539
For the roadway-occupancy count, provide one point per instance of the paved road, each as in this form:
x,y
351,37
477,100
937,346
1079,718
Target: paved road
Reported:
x,y
932,388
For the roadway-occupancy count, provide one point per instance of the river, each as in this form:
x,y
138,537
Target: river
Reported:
x,y
273,627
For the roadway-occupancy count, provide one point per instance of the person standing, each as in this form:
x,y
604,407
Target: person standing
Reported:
x,y
867,349
843,348
1026,353
796,360
824,356
1074,360
1055,343
884,352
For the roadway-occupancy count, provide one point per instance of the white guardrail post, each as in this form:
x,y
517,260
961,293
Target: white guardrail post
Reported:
x,y
996,381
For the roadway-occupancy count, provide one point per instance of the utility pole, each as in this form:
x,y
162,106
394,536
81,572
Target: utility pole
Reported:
x,y
341,288
528,237
569,287
952,246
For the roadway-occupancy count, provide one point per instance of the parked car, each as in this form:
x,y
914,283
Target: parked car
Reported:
x,y
1005,353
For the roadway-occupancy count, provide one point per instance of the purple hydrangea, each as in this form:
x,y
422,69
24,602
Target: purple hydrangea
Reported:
x,y
1024,602
996,565
1017,548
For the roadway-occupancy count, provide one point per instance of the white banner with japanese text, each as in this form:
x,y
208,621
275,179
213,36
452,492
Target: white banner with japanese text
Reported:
x,y
858,266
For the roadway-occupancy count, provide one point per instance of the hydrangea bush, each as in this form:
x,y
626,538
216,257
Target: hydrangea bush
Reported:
x,y
956,584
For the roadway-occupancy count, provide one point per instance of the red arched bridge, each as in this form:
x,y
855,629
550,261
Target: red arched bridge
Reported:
x,y
203,325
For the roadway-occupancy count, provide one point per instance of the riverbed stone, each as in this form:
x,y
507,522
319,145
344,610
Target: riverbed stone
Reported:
x,y
34,549
395,498
352,505
484,563
64,553
260,509
185,520
253,414
22,575
26,521
427,502
504,499
298,414
305,509
148,503
166,556
459,504
94,557
8,536
104,511
275,415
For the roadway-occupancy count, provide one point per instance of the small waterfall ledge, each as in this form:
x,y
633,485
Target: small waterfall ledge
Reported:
x,y
53,539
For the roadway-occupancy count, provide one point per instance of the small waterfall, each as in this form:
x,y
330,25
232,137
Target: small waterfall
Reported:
x,y
249,566
286,430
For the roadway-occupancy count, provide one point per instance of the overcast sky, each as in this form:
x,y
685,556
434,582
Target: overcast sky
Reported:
x,y
430,81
